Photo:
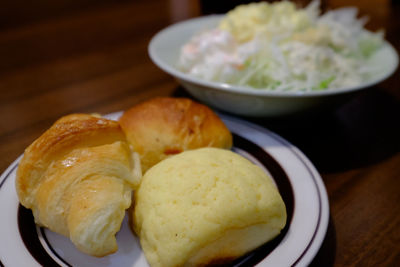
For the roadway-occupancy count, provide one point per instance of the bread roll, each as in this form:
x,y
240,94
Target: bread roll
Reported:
x,y
165,126
78,179
205,206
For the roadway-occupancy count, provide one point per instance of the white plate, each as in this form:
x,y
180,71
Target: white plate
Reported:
x,y
164,50
301,187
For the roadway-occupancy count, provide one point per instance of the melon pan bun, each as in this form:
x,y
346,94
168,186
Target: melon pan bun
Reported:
x,y
205,206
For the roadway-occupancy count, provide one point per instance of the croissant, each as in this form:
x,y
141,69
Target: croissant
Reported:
x,y
77,178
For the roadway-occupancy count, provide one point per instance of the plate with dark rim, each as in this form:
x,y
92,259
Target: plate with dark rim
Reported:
x,y
25,244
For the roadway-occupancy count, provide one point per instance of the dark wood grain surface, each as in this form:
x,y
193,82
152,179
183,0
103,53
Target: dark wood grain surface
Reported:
x,y
60,57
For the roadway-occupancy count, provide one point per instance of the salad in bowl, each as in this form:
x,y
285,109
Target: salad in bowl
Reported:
x,y
273,59
277,46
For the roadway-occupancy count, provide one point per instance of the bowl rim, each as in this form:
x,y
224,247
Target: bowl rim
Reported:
x,y
243,90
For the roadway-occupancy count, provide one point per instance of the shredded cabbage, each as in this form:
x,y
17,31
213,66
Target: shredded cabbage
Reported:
x,y
277,46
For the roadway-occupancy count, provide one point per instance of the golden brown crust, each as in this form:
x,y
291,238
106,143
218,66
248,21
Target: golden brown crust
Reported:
x,y
164,126
78,178
67,133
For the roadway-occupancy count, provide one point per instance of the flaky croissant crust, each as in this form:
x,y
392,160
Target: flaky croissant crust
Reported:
x,y
78,179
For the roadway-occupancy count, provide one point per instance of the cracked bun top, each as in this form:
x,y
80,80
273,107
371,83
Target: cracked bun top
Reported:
x,y
205,206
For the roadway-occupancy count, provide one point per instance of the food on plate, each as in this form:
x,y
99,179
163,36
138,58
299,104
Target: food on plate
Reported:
x,y
164,126
205,206
77,178
280,47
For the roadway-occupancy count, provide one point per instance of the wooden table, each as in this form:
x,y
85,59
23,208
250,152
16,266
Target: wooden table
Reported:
x,y
60,57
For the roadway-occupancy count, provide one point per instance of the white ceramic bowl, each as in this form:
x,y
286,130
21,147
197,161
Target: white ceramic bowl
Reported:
x,y
164,50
